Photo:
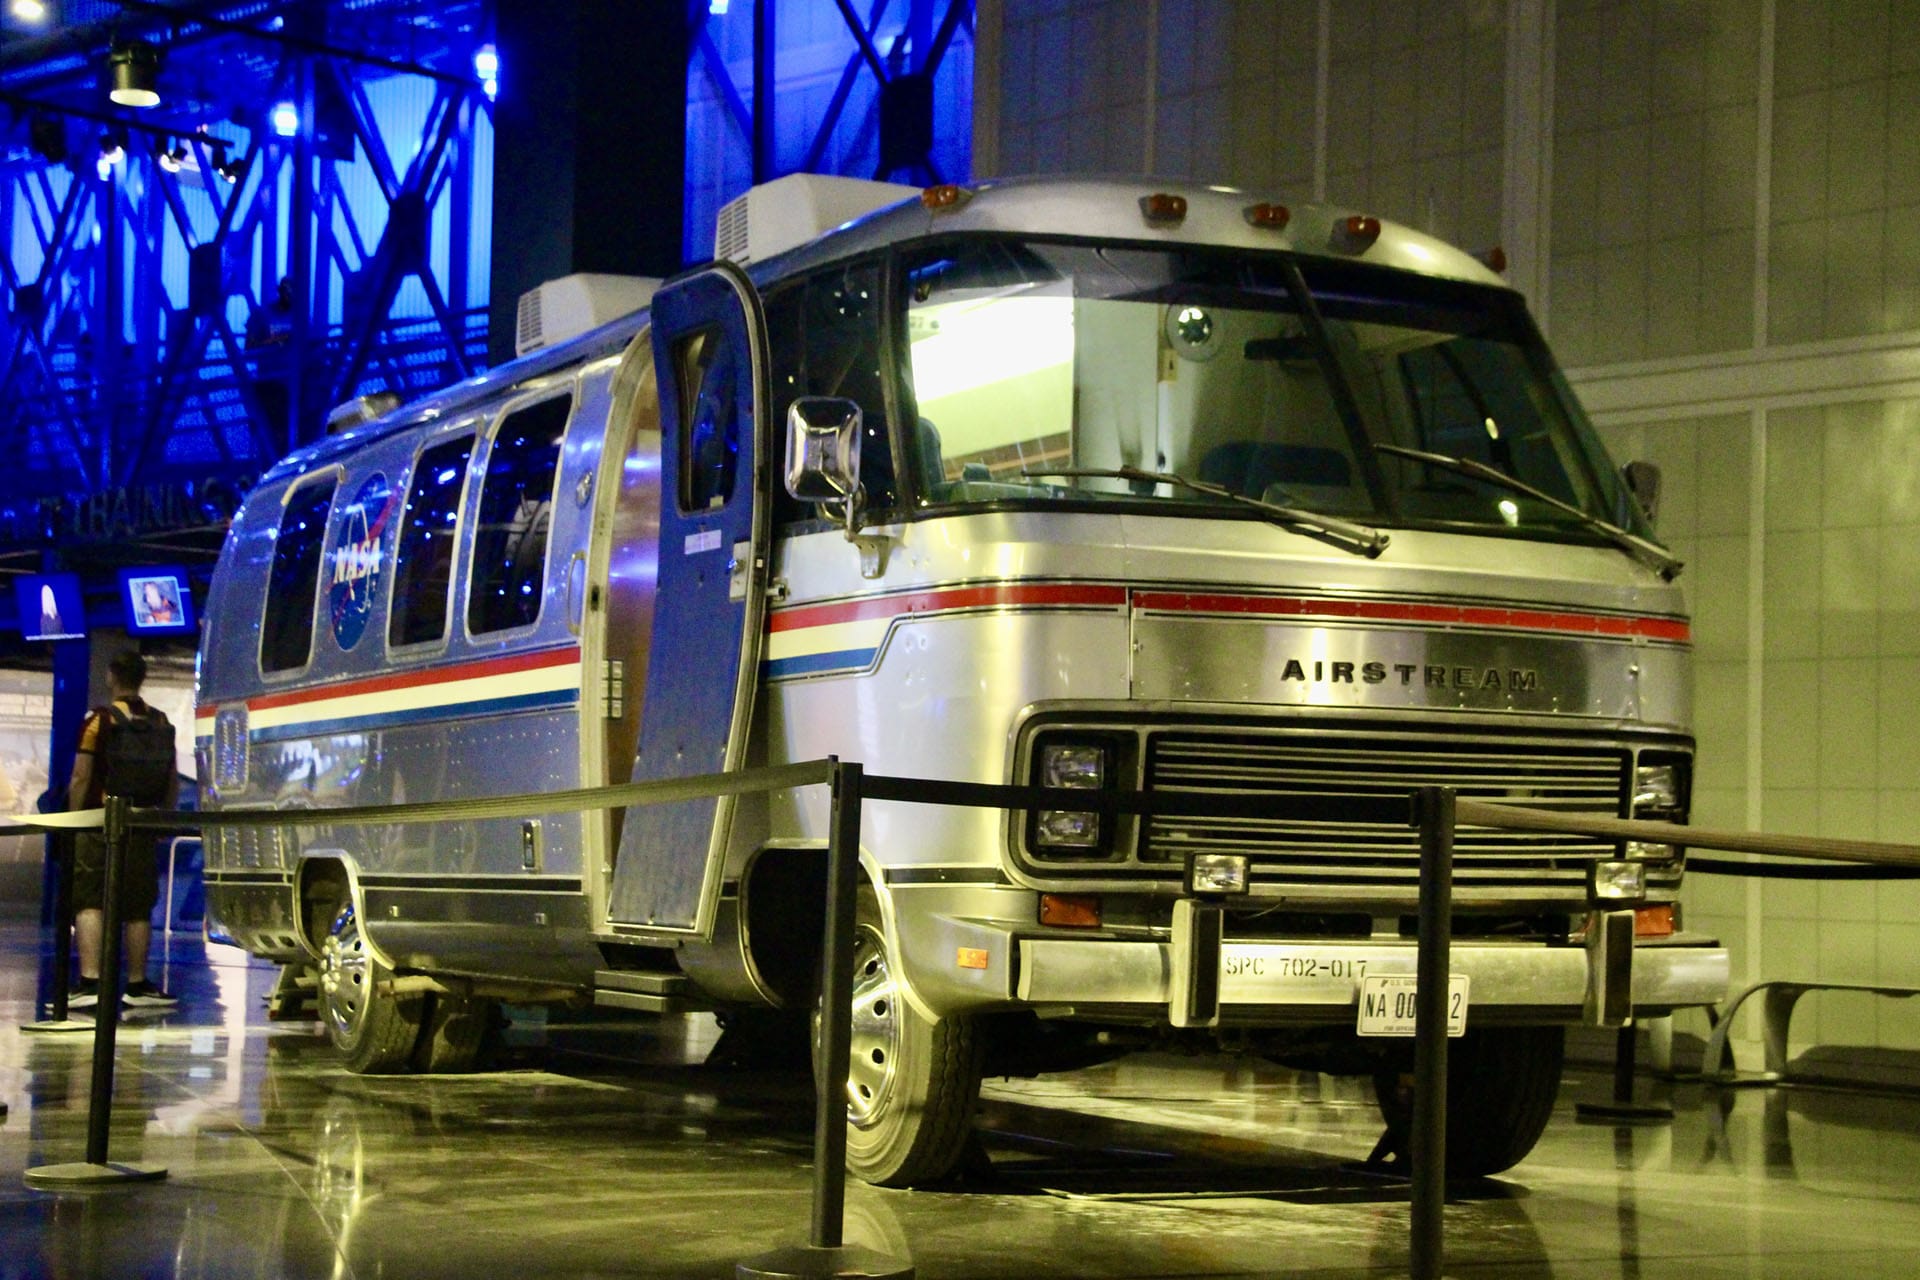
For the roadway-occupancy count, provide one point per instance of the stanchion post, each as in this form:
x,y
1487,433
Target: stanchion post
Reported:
x,y
62,927
106,1023
836,1013
1427,1249
106,1017
826,1253
59,1019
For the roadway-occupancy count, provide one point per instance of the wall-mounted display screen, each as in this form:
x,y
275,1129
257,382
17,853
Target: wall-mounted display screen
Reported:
x,y
50,606
156,601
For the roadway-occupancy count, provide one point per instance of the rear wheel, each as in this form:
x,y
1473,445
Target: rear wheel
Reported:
x,y
911,1084
455,1033
373,1030
1501,1086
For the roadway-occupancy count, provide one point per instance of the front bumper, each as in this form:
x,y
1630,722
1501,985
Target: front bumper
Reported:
x,y
1278,983
966,949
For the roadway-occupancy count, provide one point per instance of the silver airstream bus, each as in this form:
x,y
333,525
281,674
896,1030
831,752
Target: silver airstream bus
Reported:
x,y
1089,484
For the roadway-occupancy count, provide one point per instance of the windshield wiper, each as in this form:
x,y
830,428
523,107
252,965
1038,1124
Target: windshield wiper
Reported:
x,y
1357,538
1648,553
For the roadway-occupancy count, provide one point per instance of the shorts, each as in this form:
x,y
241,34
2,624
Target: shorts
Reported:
x,y
139,879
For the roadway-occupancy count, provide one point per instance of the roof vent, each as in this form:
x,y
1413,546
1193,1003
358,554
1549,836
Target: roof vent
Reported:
x,y
572,305
787,212
375,404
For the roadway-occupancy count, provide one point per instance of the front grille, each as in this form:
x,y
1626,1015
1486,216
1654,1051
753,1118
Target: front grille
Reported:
x,y
1328,859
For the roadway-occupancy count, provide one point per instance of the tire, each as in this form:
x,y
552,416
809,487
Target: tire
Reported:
x,y
912,1085
373,1030
454,1034
1501,1086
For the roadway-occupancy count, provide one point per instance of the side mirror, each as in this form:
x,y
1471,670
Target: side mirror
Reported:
x,y
823,453
1643,482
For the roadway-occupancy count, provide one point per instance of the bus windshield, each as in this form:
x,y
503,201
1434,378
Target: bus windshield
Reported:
x,y
1264,375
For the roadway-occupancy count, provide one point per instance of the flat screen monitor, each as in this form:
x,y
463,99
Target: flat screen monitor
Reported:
x,y
156,602
50,606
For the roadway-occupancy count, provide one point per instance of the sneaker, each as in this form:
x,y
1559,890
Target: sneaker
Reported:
x,y
145,993
85,994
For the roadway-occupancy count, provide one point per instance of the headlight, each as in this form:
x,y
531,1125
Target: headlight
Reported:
x,y
1659,795
1656,786
1081,766
1660,789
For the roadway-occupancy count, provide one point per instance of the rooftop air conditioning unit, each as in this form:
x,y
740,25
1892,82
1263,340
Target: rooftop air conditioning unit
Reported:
x,y
787,212
572,305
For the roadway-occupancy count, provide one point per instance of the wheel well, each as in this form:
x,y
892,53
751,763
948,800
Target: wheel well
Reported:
x,y
321,885
782,903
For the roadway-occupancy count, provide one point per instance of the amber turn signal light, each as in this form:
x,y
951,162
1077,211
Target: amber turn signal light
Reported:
x,y
1163,206
1268,217
1070,910
1356,234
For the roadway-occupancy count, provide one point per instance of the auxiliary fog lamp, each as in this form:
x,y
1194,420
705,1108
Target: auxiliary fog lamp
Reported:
x,y
1075,765
1213,875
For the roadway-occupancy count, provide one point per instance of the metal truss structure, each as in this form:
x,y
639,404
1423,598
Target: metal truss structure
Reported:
x,y
865,88
189,288
306,217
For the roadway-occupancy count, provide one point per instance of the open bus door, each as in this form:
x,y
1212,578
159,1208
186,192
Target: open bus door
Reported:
x,y
709,352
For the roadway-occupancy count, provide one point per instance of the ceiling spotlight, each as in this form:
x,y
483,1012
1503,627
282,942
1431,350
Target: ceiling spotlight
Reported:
x,y
136,74
171,158
486,65
285,119
28,10
113,149
231,170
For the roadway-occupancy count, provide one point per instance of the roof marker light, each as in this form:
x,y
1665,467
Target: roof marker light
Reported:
x,y
945,196
1163,207
1494,259
1355,234
1269,217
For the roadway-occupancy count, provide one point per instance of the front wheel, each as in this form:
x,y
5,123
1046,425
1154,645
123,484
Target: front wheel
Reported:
x,y
1501,1086
911,1084
373,1030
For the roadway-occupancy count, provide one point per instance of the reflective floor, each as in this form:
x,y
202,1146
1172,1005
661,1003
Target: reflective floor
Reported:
x,y
610,1152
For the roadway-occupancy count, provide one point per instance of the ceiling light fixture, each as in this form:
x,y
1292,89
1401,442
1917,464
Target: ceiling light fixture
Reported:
x,y
135,67
34,11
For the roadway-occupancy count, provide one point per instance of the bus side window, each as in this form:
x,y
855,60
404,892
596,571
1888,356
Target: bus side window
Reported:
x,y
423,555
286,628
709,422
509,575
824,336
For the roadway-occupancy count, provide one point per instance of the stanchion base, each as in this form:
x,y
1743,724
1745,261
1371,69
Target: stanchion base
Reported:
x,y
84,1177
1622,1113
62,1026
807,1262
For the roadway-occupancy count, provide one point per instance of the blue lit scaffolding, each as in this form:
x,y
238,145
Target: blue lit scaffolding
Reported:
x,y
306,216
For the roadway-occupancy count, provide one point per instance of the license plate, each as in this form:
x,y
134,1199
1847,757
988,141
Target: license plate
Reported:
x,y
1387,1005
1270,973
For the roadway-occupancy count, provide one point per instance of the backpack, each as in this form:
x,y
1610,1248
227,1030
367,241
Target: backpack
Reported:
x,y
135,754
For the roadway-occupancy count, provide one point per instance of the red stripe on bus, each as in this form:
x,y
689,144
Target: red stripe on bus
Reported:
x,y
1643,626
996,595
413,679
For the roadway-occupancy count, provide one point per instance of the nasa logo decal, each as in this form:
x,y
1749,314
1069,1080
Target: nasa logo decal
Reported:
x,y
359,558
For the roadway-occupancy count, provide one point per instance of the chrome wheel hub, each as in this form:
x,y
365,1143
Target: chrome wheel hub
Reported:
x,y
876,1029
344,976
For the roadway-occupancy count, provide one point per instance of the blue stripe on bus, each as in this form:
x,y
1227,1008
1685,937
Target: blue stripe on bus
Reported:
x,y
815,663
551,699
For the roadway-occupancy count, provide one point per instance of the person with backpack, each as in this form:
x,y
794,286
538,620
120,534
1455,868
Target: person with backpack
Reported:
x,y
126,749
